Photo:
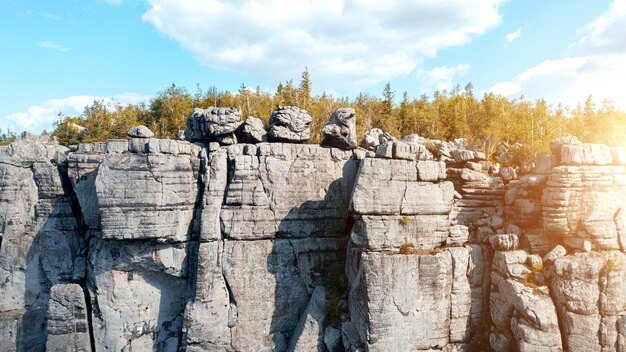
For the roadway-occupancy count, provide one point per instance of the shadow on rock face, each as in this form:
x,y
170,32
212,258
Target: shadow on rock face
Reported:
x,y
55,254
307,259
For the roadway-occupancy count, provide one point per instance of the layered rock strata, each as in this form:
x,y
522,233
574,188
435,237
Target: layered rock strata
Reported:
x,y
160,245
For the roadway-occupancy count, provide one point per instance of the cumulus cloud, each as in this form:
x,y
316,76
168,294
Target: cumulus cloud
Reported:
x,y
442,77
513,35
49,44
607,33
570,80
39,117
597,68
362,42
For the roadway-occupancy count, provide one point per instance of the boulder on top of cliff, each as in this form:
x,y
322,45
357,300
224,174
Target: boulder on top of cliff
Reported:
x,y
340,131
375,137
252,130
555,144
213,125
586,154
140,132
290,124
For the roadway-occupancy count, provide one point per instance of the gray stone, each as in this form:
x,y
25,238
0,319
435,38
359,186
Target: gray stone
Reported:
x,y
212,299
332,339
68,326
270,295
157,198
40,241
555,144
309,333
390,311
140,132
459,235
503,242
508,174
586,154
385,150
290,124
213,125
375,137
523,318
589,290
252,130
340,131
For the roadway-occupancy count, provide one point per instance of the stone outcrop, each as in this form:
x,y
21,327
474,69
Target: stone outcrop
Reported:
x,y
140,132
40,240
290,124
375,137
213,125
411,245
570,212
252,131
68,326
340,131
409,264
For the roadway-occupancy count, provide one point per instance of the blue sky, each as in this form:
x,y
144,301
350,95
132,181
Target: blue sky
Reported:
x,y
59,55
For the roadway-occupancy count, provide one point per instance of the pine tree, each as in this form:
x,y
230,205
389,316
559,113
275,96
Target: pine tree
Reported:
x,y
388,95
405,119
305,88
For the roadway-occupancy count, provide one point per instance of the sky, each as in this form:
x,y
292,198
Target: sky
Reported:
x,y
58,56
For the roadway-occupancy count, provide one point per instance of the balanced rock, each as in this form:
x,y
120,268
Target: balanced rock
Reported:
x,y
290,124
140,132
213,125
340,131
252,130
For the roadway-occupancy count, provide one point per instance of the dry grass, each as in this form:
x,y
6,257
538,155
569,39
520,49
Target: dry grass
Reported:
x,y
409,249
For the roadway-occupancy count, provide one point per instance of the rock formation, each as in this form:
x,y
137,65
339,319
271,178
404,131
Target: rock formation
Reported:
x,y
340,131
213,125
411,245
290,124
252,131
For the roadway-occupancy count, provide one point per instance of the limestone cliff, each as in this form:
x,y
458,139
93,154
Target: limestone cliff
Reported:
x,y
399,245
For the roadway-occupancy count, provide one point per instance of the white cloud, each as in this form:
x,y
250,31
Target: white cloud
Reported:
x,y
607,33
442,77
49,44
570,80
39,117
597,68
513,35
361,42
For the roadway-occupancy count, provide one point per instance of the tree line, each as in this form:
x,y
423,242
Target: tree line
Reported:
x,y
490,123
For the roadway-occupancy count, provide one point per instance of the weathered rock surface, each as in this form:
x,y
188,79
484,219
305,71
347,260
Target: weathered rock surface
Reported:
x,y
140,132
68,326
290,124
590,293
40,242
340,131
163,245
375,137
213,125
252,131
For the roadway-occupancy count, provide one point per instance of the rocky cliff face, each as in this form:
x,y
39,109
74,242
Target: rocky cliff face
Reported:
x,y
163,245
